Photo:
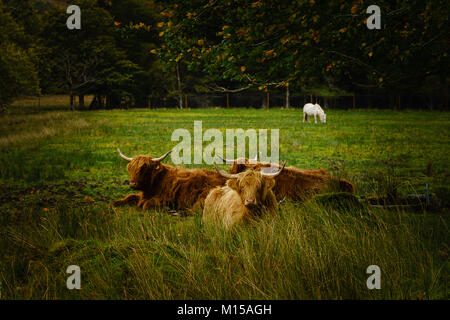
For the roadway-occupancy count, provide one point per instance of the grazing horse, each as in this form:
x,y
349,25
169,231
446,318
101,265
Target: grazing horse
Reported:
x,y
314,110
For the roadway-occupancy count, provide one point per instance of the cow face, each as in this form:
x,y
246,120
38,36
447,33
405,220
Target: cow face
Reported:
x,y
252,187
143,170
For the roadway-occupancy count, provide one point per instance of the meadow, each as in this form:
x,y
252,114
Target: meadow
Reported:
x,y
59,171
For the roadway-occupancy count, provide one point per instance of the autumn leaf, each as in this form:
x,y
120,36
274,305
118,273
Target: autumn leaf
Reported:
x,y
200,42
370,53
160,24
243,68
241,32
256,4
269,52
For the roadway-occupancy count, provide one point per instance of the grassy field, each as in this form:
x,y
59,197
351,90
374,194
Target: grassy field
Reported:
x,y
59,171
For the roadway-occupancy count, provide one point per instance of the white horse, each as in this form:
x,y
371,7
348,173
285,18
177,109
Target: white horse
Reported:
x,y
315,110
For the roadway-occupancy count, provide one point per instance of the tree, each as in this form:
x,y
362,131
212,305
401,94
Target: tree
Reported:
x,y
18,75
308,44
87,60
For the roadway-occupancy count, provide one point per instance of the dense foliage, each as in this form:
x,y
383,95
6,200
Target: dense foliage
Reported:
x,y
130,51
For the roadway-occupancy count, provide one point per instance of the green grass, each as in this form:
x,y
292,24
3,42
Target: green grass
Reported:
x,y
59,171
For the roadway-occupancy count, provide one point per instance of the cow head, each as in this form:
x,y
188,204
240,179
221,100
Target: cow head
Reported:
x,y
143,169
253,186
241,164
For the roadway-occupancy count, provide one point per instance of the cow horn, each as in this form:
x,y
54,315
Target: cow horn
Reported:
x,y
227,161
124,157
163,156
225,174
273,174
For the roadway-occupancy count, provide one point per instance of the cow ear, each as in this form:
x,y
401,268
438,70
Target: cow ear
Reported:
x,y
233,184
269,183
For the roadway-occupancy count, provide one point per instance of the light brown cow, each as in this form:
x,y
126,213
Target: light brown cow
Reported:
x,y
245,196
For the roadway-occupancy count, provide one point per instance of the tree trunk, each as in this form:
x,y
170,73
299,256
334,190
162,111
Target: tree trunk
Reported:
x,y
287,105
354,102
228,100
446,97
81,100
264,102
268,100
180,94
71,102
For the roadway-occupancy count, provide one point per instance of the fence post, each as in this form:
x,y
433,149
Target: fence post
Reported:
x,y
228,100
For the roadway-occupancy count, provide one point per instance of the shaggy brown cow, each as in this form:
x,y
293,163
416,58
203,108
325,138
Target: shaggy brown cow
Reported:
x,y
295,184
162,185
245,196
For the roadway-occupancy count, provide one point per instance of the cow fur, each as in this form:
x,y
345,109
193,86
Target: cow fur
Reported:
x,y
242,199
164,186
296,184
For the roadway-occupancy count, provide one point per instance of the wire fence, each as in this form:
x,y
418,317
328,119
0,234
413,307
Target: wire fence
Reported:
x,y
255,100
268,100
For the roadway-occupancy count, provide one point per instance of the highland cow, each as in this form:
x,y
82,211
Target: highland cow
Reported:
x,y
295,184
246,196
164,186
